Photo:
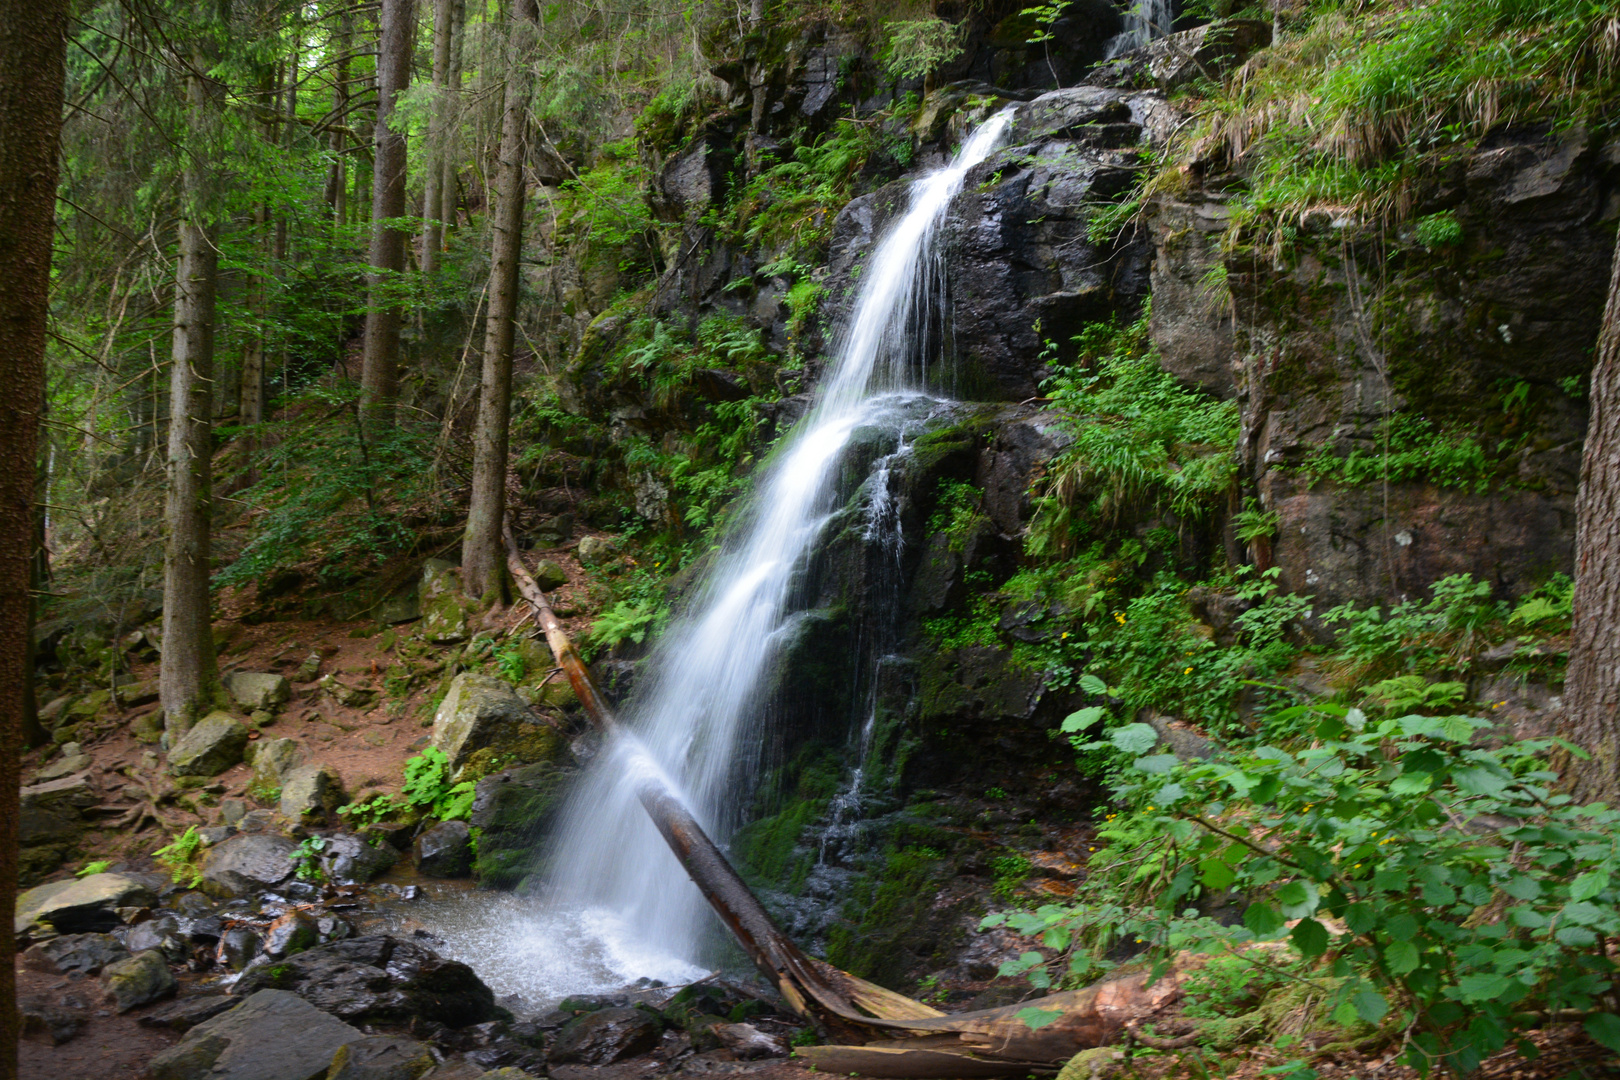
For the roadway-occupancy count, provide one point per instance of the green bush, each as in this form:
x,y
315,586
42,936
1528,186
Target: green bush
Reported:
x,y
428,786
1456,895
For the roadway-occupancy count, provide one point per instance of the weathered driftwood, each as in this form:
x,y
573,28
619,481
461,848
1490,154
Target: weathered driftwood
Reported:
x,y
899,1037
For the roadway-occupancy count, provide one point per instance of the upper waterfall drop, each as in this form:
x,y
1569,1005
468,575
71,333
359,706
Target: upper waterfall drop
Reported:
x,y
691,716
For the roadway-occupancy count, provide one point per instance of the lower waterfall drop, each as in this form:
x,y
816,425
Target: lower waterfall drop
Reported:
x,y
613,885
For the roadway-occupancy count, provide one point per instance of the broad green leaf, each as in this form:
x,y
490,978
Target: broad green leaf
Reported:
x,y
1079,721
1093,685
1134,738
1604,1029
1411,783
1215,874
1487,987
1370,1005
1522,887
1157,763
1263,920
1310,938
1401,927
1035,1019
1401,957
1588,885
1298,900
1479,781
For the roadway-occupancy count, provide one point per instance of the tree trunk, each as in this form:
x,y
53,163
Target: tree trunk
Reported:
x,y
379,376
338,179
433,175
188,679
482,565
32,46
1593,693
447,160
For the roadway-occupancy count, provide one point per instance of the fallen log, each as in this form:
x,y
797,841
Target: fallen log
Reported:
x,y
898,1037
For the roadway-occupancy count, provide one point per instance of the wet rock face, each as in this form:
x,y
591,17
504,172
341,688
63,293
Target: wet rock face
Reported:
x,y
137,980
511,810
379,979
605,1036
445,851
1328,346
83,954
49,823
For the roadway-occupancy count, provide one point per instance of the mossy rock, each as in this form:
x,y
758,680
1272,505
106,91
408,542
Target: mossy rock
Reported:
x,y
511,810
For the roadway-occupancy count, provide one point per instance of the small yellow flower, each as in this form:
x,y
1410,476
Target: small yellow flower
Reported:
x,y
1150,808
1065,635
1188,671
1119,617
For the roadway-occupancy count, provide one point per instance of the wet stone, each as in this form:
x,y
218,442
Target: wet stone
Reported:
x,y
83,954
604,1036
135,981
185,1014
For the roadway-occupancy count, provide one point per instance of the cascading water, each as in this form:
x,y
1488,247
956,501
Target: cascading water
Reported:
x,y
618,903
1144,21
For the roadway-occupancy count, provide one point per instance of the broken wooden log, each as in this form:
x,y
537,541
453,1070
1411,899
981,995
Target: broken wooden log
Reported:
x,y
897,1036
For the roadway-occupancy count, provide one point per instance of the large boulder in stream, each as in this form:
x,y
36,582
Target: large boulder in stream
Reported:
x,y
605,1036
380,979
482,712
512,810
245,864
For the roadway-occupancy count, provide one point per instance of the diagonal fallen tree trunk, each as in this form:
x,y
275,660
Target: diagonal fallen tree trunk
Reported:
x,y
896,1036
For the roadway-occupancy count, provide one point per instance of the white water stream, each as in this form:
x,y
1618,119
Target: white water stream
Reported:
x,y
618,905
1144,21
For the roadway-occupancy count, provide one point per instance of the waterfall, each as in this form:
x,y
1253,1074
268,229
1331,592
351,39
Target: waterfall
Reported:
x,y
613,884
1144,21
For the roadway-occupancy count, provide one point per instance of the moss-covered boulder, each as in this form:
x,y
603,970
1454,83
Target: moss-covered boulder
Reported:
x,y
483,713
213,745
511,811
444,607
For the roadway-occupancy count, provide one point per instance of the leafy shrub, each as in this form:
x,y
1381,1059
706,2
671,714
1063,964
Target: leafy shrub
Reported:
x,y
428,786
1143,440
1438,230
89,868
627,620
1467,897
306,859
918,47
1418,636
180,857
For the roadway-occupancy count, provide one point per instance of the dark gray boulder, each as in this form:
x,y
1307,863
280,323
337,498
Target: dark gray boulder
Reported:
x,y
381,1058
272,1035
82,954
137,980
246,864
445,851
380,979
183,1015
354,858
605,1036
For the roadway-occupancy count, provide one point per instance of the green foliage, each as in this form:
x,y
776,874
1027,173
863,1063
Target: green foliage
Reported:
x,y
1418,636
956,511
306,859
428,786
380,807
89,868
1252,523
918,47
1548,609
1438,230
510,662
606,208
627,620
329,499
1010,873
1366,103
1416,449
791,204
180,857
1143,440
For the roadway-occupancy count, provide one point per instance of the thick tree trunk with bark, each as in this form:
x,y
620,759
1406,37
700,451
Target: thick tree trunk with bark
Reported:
x,y
433,175
188,679
482,562
337,181
1593,694
32,44
379,377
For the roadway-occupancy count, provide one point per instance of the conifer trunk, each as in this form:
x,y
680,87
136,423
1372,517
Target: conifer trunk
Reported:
x,y
433,175
379,377
32,45
1593,694
337,184
447,160
482,560
188,678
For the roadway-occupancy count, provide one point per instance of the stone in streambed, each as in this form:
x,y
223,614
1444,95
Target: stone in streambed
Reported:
x,y
291,933
247,863
381,1058
310,791
273,1035
82,954
354,858
605,1036
88,904
185,1014
137,980
510,809
213,745
548,575
445,851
